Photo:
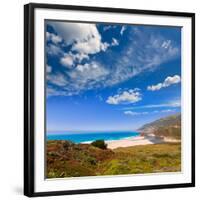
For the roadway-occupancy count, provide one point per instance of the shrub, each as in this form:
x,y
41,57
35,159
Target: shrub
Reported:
x,y
100,144
92,160
67,144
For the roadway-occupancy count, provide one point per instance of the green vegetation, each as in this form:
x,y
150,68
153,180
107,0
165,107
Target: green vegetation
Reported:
x,y
165,127
100,144
170,132
66,159
144,159
172,120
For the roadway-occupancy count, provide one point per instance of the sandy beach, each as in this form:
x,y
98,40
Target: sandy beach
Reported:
x,y
140,140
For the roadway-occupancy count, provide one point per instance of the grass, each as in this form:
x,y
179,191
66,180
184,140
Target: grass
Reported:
x,y
66,159
144,159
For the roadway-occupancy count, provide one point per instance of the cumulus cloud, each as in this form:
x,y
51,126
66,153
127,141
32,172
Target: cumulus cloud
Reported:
x,y
74,32
90,46
84,38
78,79
67,60
53,50
79,57
125,97
70,59
144,51
88,72
93,45
84,75
170,80
52,37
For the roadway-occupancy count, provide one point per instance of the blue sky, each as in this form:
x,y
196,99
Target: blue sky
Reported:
x,y
110,76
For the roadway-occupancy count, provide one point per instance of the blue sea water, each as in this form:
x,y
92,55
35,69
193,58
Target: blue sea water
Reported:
x,y
79,137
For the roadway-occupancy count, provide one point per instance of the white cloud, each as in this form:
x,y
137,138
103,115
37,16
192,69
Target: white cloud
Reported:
x,y
146,52
125,97
53,50
48,36
129,112
83,77
168,110
48,68
166,44
106,28
79,57
67,60
53,92
115,42
70,59
173,104
91,46
155,87
52,37
74,32
104,46
84,38
88,71
132,113
57,79
122,30
170,80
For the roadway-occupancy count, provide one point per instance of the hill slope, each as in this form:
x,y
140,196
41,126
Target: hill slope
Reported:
x,y
167,127
66,159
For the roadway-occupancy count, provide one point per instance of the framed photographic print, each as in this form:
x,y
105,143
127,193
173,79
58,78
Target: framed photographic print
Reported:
x,y
108,99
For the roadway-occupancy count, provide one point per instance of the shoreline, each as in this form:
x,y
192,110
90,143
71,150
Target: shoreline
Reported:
x,y
138,140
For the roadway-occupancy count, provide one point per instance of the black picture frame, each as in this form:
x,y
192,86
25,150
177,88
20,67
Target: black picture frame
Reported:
x,y
29,81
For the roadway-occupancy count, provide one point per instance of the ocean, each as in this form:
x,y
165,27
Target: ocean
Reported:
x,y
87,137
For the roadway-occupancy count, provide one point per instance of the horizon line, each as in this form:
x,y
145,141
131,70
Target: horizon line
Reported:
x,y
94,130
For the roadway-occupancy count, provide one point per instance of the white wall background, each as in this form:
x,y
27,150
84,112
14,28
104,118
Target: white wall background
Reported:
x,y
11,99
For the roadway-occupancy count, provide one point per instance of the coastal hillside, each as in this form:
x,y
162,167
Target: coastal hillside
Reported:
x,y
67,159
165,127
